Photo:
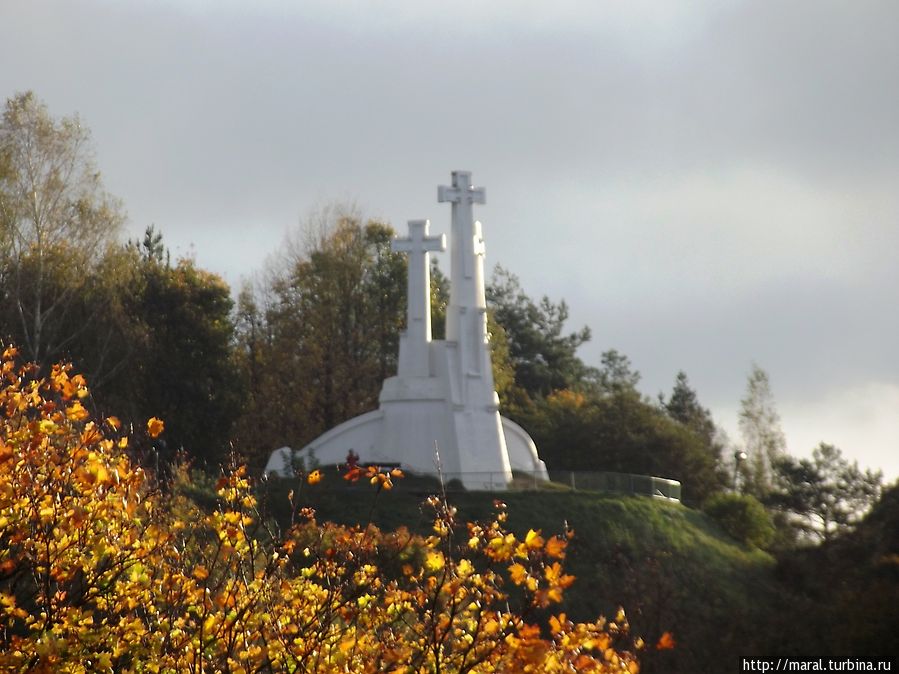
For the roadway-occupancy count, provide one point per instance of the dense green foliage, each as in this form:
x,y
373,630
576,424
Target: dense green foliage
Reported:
x,y
844,594
621,432
180,364
743,517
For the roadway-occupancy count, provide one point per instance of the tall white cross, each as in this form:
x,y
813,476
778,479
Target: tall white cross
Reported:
x,y
478,248
462,195
418,285
462,191
465,314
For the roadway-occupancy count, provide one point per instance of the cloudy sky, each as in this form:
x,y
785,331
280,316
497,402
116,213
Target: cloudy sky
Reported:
x,y
708,184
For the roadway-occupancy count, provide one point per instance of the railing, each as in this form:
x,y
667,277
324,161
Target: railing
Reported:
x,y
560,481
621,483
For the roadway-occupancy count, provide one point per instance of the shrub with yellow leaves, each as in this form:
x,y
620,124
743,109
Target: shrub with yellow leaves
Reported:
x,y
101,572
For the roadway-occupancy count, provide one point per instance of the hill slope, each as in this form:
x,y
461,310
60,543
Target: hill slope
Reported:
x,y
670,567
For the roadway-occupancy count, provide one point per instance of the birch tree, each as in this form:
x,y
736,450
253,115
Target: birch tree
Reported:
x,y
763,439
56,224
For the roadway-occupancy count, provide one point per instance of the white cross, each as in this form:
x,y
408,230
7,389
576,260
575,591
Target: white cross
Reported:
x,y
417,245
462,190
462,195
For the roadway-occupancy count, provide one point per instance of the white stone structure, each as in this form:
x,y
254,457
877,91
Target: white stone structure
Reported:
x,y
442,399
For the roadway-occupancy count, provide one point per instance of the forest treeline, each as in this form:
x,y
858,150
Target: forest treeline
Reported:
x,y
307,344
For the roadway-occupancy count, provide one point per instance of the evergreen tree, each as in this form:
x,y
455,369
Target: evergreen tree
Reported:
x,y
544,357
616,375
825,494
684,407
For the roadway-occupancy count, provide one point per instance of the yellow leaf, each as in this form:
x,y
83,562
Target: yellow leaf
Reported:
x,y
464,568
533,540
434,561
314,477
76,412
201,572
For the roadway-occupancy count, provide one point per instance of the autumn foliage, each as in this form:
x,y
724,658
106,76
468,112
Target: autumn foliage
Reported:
x,y
101,570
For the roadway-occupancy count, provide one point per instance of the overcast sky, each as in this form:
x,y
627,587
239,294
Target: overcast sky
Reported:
x,y
707,184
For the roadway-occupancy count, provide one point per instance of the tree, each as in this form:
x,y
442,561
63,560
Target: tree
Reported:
x,y
543,357
165,347
616,374
742,517
440,298
763,439
185,371
683,406
826,494
620,432
322,333
56,225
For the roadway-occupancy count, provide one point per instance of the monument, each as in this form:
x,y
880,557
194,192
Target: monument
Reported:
x,y
440,412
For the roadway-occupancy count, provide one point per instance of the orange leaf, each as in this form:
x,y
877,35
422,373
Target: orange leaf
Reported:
x,y
666,642
518,573
555,547
155,427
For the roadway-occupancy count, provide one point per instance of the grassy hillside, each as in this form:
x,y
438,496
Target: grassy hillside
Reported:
x,y
670,567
